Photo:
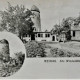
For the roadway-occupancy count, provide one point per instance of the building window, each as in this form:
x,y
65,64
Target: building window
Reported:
x,y
38,35
41,35
47,35
73,33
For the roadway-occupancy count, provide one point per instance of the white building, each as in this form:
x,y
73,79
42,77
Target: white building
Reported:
x,y
41,36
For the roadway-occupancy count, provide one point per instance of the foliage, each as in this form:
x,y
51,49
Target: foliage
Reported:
x,y
65,26
16,19
12,66
66,23
34,49
20,57
56,29
56,52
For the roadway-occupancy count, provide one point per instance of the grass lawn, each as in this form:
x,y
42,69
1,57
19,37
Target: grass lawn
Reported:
x,y
53,49
72,46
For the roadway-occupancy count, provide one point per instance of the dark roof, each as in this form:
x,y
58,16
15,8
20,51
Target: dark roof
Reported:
x,y
35,8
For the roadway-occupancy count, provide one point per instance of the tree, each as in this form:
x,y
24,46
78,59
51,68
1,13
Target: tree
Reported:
x,y
66,24
56,29
77,20
16,19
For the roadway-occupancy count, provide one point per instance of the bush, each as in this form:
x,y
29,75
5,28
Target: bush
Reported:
x,y
34,49
12,66
56,52
20,57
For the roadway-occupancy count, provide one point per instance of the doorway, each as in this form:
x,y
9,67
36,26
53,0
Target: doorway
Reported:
x,y
33,37
53,38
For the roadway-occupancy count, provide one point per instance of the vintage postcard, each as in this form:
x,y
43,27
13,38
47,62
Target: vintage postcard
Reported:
x,y
40,39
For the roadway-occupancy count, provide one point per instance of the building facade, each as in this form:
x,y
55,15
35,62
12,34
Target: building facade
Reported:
x,y
75,32
41,36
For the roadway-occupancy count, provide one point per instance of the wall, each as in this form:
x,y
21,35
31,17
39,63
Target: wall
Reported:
x,y
41,38
45,38
77,35
4,51
27,38
37,21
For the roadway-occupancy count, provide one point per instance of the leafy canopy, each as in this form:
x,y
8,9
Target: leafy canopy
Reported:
x,y
16,19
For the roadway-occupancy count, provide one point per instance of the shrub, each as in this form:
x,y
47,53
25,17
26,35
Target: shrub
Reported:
x,y
56,52
20,57
34,49
12,66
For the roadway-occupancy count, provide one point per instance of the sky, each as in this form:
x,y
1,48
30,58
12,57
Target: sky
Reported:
x,y
51,11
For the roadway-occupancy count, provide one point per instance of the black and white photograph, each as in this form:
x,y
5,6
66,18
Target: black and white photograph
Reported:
x,y
61,38
45,34
12,54
40,39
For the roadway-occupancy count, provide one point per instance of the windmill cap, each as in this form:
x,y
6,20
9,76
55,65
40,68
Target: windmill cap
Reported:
x,y
35,8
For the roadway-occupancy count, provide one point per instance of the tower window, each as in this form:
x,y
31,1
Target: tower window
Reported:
x,y
73,33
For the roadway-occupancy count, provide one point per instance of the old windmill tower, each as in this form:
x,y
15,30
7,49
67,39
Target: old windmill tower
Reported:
x,y
4,50
36,18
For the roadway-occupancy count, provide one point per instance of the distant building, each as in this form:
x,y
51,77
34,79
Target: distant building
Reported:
x,y
75,32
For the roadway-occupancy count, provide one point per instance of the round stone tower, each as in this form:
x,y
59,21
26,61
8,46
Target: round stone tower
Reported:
x,y
36,18
4,50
